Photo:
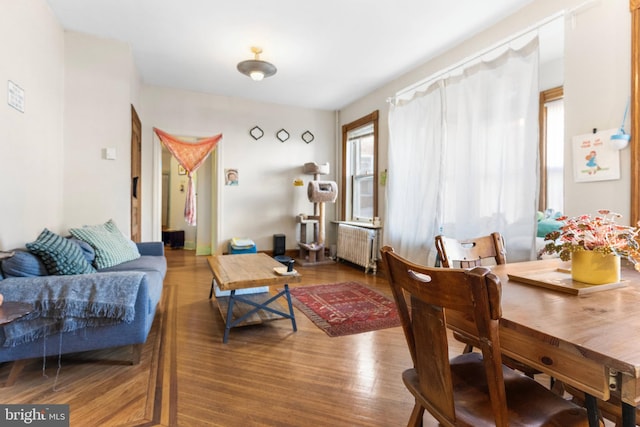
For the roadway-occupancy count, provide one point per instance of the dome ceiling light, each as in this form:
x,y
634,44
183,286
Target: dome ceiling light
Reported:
x,y
256,68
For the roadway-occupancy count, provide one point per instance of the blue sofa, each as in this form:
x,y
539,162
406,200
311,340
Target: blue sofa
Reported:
x,y
144,276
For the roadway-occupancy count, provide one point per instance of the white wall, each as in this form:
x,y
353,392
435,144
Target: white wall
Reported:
x,y
596,90
597,86
265,202
551,74
78,89
31,143
99,88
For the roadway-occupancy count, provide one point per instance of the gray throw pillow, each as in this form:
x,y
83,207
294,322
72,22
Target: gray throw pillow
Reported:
x,y
87,250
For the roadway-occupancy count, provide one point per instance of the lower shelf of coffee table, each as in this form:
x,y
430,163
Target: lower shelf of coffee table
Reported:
x,y
240,308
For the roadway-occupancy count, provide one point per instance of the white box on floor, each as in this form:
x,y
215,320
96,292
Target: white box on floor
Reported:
x,y
220,293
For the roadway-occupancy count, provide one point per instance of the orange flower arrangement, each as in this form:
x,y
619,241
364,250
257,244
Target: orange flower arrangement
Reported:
x,y
601,234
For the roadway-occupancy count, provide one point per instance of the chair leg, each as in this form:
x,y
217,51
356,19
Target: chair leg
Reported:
x,y
468,348
416,416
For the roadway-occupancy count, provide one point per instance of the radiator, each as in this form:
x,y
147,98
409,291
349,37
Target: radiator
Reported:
x,y
357,245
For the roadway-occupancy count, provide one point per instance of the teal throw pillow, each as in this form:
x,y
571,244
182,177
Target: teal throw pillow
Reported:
x,y
110,245
59,255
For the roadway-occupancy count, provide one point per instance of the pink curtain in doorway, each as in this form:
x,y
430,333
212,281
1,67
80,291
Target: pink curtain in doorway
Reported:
x,y
190,155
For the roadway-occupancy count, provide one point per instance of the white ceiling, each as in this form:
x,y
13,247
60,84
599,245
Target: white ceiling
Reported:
x,y
328,52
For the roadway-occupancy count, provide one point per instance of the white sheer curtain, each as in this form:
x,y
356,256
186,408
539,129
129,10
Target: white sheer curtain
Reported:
x,y
480,174
413,184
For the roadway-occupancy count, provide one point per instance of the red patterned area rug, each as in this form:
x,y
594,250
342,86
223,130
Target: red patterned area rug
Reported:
x,y
345,308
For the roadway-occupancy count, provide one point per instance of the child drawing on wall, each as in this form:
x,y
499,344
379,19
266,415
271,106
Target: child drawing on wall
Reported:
x,y
592,164
594,158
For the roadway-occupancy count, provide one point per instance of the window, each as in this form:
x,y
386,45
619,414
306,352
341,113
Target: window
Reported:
x,y
360,169
551,150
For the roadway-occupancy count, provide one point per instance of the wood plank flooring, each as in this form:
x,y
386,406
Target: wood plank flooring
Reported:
x,y
266,375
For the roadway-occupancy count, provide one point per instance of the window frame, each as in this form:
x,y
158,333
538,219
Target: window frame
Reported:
x,y
634,7
347,179
548,95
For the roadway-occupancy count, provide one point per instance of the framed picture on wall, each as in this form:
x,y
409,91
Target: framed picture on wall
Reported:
x,y
594,157
231,176
181,170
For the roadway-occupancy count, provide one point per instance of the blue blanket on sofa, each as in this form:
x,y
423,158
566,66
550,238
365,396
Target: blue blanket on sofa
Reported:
x,y
69,303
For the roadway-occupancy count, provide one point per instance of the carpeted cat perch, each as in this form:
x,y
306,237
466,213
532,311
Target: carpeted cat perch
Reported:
x,y
319,193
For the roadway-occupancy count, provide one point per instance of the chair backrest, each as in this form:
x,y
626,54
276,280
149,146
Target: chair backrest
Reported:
x,y
475,294
471,252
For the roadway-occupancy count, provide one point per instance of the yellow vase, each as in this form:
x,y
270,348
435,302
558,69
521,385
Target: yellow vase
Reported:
x,y
595,268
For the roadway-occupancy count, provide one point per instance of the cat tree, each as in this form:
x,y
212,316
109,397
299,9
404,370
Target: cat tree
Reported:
x,y
319,193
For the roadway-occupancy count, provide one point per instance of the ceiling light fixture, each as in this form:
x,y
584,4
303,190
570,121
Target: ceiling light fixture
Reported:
x,y
256,68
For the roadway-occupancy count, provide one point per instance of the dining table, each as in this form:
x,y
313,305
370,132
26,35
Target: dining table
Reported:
x,y
582,335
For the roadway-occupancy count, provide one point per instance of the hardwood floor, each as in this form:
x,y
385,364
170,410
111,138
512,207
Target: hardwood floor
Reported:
x,y
266,375
269,375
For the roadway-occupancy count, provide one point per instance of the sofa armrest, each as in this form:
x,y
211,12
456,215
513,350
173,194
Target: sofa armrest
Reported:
x,y
151,248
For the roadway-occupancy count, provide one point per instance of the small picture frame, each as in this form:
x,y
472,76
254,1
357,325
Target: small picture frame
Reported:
x,y
181,170
231,176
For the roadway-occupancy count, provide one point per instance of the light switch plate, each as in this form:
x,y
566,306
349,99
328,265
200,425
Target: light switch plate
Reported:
x,y
110,153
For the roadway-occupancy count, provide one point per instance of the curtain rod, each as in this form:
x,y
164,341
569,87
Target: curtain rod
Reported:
x,y
572,12
480,54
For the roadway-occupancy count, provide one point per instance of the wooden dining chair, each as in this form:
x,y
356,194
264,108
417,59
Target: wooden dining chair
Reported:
x,y
472,389
471,252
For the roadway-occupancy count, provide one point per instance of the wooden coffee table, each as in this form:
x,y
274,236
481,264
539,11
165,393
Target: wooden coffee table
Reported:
x,y
244,271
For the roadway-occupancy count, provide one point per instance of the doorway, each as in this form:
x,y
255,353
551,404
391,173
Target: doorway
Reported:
x,y
173,184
